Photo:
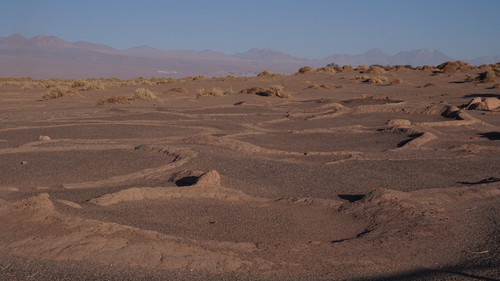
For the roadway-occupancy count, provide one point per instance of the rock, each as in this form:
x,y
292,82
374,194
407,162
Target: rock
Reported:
x,y
478,103
210,178
24,162
398,122
44,138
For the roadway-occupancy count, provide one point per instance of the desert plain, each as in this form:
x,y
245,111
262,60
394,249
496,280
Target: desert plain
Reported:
x,y
371,173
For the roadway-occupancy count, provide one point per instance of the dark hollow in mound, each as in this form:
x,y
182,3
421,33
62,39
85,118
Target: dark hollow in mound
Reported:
x,y
351,197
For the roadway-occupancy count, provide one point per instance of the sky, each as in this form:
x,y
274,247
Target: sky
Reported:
x,y
462,29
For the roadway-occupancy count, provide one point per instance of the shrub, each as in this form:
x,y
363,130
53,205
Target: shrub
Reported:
x,y
318,87
144,94
93,85
58,92
178,90
361,67
114,99
275,90
199,77
326,69
374,69
305,69
267,73
216,92
27,86
377,80
396,81
346,68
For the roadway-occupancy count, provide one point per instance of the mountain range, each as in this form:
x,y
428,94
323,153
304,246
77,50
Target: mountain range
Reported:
x,y
48,56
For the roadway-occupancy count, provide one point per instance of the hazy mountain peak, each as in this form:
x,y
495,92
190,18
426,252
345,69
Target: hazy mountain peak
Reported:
x,y
375,52
265,54
48,41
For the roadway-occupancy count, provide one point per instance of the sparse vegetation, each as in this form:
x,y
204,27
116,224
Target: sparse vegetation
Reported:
x,y
267,73
27,86
396,81
178,90
58,92
346,68
318,87
215,91
305,69
199,77
276,91
377,80
327,69
361,68
144,94
114,99
375,69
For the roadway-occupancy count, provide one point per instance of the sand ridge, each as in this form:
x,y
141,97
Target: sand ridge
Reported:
x,y
337,183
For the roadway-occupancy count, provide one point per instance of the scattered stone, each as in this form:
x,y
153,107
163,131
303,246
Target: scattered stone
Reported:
x,y
24,162
44,138
478,103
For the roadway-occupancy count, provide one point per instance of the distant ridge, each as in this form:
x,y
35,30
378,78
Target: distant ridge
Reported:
x,y
46,56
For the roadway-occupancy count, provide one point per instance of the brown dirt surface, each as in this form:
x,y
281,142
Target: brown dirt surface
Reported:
x,y
356,181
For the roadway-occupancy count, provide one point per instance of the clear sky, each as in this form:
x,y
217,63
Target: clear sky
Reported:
x,y
462,29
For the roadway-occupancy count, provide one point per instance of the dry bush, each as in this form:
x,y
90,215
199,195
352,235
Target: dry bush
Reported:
x,y
430,85
199,77
58,92
377,80
93,85
276,91
216,92
78,83
228,91
267,73
375,69
346,68
327,69
178,90
27,86
454,66
305,69
115,100
144,94
361,67
318,87
396,81
252,90
339,87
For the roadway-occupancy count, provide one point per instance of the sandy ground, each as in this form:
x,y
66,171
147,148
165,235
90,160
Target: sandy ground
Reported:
x,y
350,181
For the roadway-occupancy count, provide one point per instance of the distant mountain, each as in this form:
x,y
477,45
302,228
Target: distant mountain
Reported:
x,y
48,56
485,60
267,55
419,57
373,56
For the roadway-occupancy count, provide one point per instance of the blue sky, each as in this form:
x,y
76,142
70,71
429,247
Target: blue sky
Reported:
x,y
308,29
